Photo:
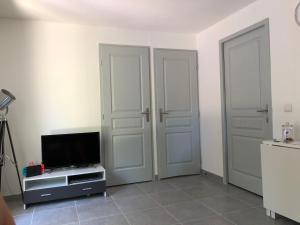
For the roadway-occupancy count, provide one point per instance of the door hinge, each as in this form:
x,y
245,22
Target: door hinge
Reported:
x,y
102,116
197,67
101,62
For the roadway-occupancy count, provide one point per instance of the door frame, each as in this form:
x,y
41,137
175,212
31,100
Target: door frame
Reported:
x,y
157,123
102,144
265,25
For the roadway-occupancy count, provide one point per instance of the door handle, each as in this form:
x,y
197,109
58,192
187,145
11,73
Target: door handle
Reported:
x,y
266,110
45,195
161,113
263,110
87,189
147,113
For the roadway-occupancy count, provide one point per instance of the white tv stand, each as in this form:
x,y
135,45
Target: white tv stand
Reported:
x,y
64,183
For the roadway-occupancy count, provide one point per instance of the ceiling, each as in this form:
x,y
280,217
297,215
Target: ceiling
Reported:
x,y
188,16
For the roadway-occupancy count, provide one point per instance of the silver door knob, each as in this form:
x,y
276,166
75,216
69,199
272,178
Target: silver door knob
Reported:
x,y
147,113
161,113
266,110
263,110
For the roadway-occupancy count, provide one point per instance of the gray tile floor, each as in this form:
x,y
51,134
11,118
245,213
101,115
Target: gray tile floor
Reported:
x,y
192,200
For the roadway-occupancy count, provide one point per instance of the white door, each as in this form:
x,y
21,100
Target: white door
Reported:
x,y
248,105
126,122
178,137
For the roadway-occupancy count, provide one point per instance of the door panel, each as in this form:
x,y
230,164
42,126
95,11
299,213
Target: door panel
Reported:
x,y
177,112
127,123
246,150
177,77
120,68
178,122
247,82
128,151
179,148
125,96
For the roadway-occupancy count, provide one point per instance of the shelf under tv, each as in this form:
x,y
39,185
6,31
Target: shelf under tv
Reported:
x,y
64,183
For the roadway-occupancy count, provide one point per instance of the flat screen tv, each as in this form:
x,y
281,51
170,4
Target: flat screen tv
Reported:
x,y
66,150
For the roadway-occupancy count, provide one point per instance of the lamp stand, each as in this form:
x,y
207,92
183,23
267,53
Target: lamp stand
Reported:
x,y
4,126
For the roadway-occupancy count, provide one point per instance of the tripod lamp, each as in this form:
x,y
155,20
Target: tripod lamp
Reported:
x,y
6,98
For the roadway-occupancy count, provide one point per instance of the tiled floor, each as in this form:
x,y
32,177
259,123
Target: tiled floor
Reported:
x,y
192,200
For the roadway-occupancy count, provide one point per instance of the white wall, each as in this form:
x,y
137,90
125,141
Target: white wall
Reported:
x,y
53,69
285,66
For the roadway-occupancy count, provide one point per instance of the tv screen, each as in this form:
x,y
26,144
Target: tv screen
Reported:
x,y
65,150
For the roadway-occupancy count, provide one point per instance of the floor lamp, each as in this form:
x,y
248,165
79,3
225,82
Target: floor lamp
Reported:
x,y
6,98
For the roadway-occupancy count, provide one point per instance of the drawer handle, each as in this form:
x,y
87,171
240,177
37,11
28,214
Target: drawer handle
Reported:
x,y
87,189
45,195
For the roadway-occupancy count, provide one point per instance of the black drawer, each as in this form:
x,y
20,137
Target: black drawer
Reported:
x,y
87,188
50,194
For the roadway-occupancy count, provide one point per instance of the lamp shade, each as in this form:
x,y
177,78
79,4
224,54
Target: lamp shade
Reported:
x,y
5,99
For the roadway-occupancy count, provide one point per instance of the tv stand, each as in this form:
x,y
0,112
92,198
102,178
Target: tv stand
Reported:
x,y
62,184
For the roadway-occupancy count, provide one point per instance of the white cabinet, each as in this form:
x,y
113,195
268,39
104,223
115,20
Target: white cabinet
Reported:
x,y
281,179
62,184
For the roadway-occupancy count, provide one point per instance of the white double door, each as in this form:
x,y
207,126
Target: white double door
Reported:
x,y
127,115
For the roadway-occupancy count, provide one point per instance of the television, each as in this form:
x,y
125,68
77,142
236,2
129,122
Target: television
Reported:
x,y
66,150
